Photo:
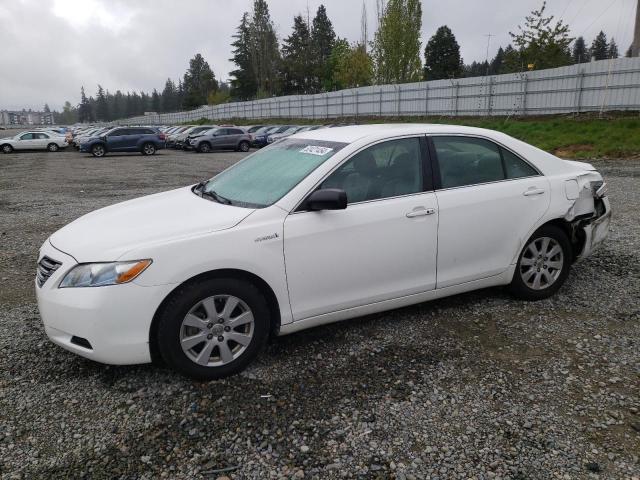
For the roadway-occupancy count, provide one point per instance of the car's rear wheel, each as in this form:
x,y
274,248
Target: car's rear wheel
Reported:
x,y
98,151
6,148
543,264
213,328
244,146
53,147
148,149
204,147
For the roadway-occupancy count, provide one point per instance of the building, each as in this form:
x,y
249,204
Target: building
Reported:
x,y
25,117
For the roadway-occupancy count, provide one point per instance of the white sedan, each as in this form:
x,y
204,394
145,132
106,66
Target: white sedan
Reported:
x,y
35,140
319,227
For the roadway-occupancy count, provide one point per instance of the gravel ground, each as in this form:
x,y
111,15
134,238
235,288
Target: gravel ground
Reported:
x,y
473,386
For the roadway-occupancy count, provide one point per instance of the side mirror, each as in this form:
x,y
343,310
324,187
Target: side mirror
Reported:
x,y
327,199
103,138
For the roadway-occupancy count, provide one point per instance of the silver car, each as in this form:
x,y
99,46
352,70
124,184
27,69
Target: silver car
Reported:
x,y
232,138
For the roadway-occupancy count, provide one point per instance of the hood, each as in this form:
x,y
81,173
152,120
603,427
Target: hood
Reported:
x,y
107,234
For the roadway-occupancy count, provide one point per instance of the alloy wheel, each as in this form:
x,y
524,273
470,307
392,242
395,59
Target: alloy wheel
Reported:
x,y
541,263
217,330
149,149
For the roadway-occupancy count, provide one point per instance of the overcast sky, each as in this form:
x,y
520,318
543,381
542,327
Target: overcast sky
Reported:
x,y
49,48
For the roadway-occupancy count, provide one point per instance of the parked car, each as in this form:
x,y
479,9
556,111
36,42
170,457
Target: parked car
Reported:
x,y
287,133
145,140
259,137
222,138
171,138
181,139
33,140
319,227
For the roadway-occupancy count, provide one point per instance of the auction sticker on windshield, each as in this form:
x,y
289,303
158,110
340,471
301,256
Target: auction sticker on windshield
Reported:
x,y
315,150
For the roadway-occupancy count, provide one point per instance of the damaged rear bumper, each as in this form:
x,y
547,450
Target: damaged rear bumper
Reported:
x,y
596,228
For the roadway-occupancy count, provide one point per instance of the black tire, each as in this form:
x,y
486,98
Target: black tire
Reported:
x,y
244,146
98,150
148,149
6,148
530,265
184,299
53,147
204,147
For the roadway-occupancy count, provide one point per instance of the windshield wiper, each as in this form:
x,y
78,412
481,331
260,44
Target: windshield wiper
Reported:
x,y
218,198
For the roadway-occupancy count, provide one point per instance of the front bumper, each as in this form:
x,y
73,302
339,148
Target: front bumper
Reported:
x,y
114,320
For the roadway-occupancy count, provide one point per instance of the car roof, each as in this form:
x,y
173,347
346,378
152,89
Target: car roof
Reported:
x,y
353,133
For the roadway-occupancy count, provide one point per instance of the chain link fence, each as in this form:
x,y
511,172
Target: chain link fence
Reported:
x,y
599,86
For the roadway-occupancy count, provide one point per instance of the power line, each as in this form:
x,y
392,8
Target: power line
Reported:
x,y
599,16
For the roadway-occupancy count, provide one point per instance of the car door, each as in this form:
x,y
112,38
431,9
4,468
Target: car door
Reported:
x,y
116,139
26,141
41,140
382,246
130,139
233,137
489,199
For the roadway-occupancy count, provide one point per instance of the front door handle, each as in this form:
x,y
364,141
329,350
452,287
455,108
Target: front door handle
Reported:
x,y
421,212
533,191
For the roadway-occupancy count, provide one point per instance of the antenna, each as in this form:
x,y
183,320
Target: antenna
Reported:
x,y
488,35
364,26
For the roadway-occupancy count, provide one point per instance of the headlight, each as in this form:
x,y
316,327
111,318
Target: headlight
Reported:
x,y
101,274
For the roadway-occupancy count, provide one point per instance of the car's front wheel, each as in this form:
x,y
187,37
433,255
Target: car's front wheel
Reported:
x,y
204,147
148,149
98,150
6,148
213,328
53,147
543,264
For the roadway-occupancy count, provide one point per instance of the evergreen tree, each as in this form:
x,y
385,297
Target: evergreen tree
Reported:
x,y
513,61
263,49
117,109
46,108
297,62
541,43
84,109
323,39
600,47
168,99
155,101
102,109
199,82
442,56
495,68
612,52
243,81
579,54
396,44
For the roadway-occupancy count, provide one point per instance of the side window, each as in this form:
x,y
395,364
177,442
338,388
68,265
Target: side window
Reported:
x,y
467,161
515,166
235,131
388,169
27,136
41,136
222,131
133,131
118,132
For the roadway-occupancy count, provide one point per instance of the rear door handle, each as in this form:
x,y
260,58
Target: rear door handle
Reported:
x,y
533,191
421,212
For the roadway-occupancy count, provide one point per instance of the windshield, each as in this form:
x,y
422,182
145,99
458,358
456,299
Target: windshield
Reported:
x,y
266,176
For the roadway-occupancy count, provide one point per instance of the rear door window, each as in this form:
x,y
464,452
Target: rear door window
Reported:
x,y
467,161
515,166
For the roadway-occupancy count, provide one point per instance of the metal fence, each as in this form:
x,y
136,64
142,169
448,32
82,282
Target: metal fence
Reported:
x,y
605,85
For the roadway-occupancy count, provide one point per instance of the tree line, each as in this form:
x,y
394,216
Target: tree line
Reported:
x,y
313,59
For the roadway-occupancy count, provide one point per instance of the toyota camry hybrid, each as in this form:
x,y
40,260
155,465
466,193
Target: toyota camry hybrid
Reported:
x,y
318,227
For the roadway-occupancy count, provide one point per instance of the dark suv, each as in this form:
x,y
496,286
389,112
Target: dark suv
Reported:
x,y
145,140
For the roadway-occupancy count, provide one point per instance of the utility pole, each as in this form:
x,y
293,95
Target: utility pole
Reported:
x,y
635,47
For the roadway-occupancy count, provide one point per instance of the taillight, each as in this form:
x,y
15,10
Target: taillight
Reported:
x,y
162,136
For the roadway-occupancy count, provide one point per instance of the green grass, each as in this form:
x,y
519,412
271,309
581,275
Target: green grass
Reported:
x,y
581,137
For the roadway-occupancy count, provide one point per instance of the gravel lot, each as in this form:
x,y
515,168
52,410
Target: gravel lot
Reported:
x,y
474,386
